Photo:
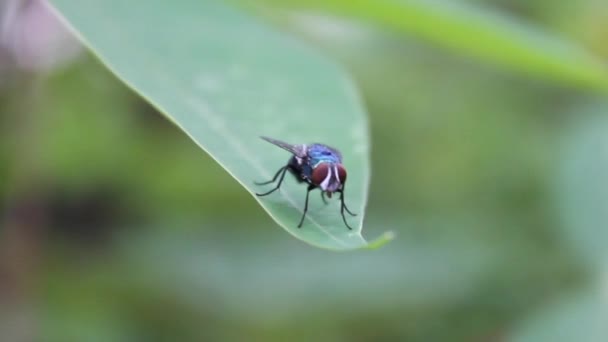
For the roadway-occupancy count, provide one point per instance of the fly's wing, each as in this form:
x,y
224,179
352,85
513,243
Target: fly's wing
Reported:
x,y
297,150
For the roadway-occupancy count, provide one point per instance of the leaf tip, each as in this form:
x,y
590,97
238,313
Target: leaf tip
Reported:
x,y
381,240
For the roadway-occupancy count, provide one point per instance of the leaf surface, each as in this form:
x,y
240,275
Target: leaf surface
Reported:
x,y
225,79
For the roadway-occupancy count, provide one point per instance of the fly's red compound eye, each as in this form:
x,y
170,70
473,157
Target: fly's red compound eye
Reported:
x,y
341,173
320,173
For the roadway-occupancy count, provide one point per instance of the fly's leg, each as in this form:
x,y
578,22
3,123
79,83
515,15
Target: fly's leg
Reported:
x,y
323,197
274,178
280,172
310,187
343,206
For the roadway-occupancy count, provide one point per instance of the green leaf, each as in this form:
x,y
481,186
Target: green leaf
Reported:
x,y
225,79
481,33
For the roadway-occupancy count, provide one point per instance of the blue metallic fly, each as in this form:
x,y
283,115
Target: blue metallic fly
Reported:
x,y
317,165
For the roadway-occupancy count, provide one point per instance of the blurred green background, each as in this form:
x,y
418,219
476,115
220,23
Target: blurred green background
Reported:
x,y
114,226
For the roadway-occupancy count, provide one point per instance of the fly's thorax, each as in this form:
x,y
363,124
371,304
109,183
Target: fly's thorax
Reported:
x,y
330,177
319,153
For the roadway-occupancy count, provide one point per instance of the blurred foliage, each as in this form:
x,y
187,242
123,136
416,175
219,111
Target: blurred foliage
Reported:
x,y
476,31
484,175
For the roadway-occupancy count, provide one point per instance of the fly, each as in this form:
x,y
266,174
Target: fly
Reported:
x,y
317,165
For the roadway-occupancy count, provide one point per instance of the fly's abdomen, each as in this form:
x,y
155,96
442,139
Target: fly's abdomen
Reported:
x,y
300,168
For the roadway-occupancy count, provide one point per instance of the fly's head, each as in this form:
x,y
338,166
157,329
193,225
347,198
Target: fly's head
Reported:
x,y
330,177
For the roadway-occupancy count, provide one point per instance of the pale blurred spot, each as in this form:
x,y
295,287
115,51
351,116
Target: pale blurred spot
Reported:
x,y
359,135
209,83
237,72
327,27
34,37
358,132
